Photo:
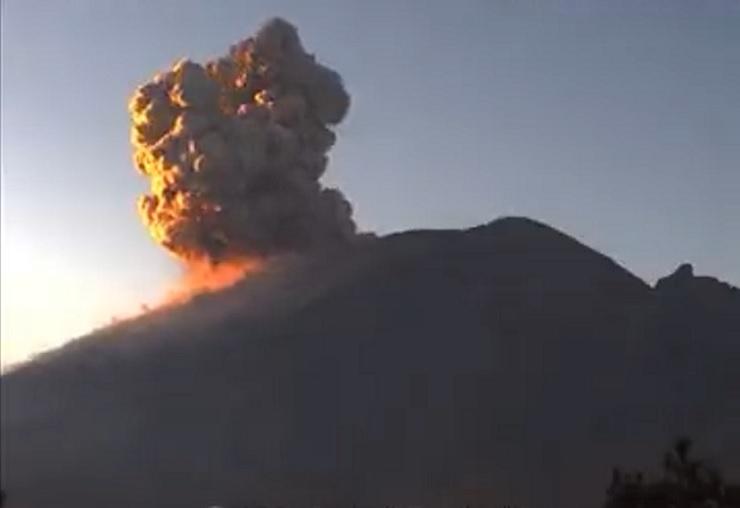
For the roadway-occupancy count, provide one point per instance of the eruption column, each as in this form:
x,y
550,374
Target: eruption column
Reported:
x,y
234,150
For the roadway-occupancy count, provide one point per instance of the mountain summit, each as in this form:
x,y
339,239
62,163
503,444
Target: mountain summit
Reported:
x,y
507,364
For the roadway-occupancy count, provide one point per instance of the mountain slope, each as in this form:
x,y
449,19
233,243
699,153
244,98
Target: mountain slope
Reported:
x,y
505,364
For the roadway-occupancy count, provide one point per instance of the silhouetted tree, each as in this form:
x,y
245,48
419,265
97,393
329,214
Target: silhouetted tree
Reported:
x,y
686,483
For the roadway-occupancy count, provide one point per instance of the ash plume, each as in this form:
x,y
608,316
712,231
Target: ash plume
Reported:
x,y
234,151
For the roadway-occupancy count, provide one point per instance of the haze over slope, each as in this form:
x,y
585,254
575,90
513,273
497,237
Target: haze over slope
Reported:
x,y
505,364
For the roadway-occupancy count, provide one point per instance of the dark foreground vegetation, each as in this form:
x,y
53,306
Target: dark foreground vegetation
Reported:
x,y
685,483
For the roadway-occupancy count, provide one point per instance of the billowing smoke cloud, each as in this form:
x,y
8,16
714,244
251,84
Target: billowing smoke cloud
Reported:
x,y
234,150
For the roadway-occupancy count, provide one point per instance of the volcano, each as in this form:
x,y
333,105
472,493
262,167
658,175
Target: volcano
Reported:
x,y
507,364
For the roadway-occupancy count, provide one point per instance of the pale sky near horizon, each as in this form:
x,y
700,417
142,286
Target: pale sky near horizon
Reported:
x,y
616,122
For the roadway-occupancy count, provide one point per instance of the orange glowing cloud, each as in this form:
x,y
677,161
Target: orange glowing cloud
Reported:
x,y
203,277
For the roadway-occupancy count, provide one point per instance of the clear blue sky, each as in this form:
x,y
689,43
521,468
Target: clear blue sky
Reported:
x,y
617,122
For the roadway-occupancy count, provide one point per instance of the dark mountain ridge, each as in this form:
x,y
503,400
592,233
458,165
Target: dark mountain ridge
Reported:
x,y
504,364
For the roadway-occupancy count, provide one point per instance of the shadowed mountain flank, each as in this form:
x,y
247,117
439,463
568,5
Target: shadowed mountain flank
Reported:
x,y
503,364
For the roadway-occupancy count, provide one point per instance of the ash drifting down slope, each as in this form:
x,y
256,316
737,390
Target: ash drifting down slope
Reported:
x,y
505,364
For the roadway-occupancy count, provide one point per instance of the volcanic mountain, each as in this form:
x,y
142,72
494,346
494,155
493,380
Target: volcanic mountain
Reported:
x,y
506,364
